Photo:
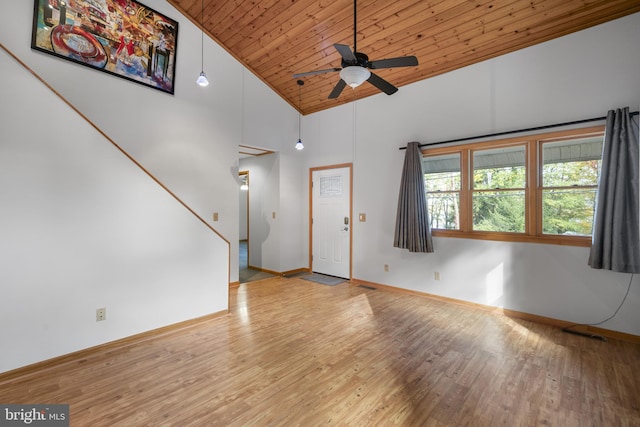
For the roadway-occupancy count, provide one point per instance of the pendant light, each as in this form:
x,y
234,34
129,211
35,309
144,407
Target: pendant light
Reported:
x,y
202,78
299,145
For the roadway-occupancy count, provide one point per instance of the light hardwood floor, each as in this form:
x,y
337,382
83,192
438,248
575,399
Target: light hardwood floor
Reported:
x,y
293,352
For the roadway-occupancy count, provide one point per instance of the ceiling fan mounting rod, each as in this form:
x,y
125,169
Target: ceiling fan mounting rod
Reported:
x,y
355,28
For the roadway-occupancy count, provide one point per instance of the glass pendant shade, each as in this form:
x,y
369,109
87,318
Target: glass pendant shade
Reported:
x,y
299,145
354,75
202,79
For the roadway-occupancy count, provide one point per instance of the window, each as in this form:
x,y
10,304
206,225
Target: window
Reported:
x,y
498,194
570,172
540,188
442,184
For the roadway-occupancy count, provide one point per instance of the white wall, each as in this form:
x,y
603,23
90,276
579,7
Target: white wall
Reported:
x,y
293,216
267,122
575,77
125,249
276,181
243,214
84,228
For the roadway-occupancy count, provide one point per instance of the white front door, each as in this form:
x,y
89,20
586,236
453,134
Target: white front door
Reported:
x,y
331,222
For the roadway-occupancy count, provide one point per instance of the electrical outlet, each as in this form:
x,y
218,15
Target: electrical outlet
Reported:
x,y
101,314
386,267
436,275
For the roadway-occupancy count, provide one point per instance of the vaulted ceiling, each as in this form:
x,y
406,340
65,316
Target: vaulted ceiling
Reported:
x,y
278,38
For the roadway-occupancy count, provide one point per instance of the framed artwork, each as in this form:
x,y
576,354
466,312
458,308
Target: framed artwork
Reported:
x,y
120,37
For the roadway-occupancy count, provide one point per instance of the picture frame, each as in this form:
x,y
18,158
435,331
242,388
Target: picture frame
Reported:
x,y
120,37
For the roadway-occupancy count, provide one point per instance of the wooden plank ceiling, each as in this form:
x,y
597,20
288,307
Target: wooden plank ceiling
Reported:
x,y
278,38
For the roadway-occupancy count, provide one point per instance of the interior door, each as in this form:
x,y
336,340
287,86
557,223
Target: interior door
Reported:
x,y
331,222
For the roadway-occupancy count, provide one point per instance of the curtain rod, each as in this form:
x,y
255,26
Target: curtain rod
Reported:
x,y
595,119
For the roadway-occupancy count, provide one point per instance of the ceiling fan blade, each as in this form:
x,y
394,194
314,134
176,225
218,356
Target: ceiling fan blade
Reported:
x,y
337,90
403,61
382,84
346,53
313,73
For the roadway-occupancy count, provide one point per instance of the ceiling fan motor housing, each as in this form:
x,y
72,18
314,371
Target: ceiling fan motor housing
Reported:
x,y
362,60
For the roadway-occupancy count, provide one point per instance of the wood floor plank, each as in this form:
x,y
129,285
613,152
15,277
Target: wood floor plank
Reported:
x,y
293,352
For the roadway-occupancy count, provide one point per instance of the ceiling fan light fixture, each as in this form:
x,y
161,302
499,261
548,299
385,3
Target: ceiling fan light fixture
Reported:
x,y
354,75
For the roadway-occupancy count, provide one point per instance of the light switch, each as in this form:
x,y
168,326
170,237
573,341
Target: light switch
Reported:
x,y
362,217
215,216
273,214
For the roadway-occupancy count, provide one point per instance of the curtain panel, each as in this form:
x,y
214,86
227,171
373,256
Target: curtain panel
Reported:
x,y
412,219
615,243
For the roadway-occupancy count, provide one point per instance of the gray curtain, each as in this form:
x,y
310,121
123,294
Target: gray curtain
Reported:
x,y
615,244
412,220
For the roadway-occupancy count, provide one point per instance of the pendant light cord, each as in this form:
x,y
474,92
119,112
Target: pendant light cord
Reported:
x,y
201,35
355,127
299,106
300,83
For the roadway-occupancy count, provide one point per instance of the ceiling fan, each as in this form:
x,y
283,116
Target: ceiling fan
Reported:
x,y
356,65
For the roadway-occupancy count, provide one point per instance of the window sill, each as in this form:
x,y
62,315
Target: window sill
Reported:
x,y
582,241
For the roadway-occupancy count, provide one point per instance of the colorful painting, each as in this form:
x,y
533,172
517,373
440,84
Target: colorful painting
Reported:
x,y
120,37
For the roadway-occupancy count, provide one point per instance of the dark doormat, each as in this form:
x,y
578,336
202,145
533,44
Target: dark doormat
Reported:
x,y
324,279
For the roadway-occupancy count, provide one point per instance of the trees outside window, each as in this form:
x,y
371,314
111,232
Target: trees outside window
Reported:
x,y
499,181
570,172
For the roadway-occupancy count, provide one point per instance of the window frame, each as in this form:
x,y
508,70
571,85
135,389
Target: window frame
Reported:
x,y
533,187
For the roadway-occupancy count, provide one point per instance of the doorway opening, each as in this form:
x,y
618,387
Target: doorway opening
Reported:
x,y
243,247
246,273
